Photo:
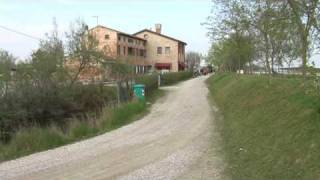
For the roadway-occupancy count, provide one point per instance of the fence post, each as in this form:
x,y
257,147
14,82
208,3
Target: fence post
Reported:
x,y
159,80
118,92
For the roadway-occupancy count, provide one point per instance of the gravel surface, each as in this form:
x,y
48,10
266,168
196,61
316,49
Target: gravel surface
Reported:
x,y
173,141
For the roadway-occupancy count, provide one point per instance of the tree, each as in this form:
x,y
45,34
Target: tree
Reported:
x,y
83,51
193,59
7,66
122,72
305,15
268,23
230,24
232,54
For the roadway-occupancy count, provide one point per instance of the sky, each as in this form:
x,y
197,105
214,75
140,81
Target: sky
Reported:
x,y
180,19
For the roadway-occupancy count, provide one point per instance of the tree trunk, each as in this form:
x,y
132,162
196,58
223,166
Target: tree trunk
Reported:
x,y
250,67
272,64
304,56
267,54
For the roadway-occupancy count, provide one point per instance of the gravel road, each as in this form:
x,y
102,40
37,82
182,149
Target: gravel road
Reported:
x,y
174,141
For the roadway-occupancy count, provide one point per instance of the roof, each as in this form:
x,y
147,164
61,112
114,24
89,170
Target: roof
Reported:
x,y
119,32
168,37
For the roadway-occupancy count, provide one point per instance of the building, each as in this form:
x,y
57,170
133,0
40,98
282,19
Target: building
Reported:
x,y
165,53
118,45
147,50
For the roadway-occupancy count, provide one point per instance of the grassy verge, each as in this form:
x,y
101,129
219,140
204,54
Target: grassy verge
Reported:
x,y
269,131
38,139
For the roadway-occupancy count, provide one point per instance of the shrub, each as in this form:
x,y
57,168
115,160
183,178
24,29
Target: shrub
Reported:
x,y
29,106
150,81
174,77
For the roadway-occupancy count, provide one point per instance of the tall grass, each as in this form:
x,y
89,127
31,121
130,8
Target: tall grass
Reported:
x,y
269,131
32,140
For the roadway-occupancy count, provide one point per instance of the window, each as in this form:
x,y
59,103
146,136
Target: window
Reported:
x,y
159,50
118,50
124,50
146,36
130,40
106,36
141,53
119,38
130,51
167,50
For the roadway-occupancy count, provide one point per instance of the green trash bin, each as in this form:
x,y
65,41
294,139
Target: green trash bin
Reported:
x,y
139,91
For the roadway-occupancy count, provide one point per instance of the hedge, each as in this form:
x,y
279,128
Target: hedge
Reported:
x,y
174,77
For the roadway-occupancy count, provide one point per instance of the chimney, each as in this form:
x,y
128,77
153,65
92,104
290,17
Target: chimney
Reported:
x,y
158,28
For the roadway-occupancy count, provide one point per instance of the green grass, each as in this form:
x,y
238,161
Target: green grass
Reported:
x,y
37,139
269,131
32,140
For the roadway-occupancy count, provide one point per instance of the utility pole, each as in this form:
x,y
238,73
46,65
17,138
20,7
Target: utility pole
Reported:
x,y
97,18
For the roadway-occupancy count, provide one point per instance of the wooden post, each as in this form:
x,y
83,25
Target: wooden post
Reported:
x,y
159,80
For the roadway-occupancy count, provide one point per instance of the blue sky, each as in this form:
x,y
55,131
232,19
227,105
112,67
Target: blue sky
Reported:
x,y
179,18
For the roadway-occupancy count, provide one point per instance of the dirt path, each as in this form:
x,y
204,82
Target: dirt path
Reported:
x,y
173,141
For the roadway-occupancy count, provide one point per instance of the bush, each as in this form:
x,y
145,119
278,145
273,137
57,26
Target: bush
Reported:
x,y
174,77
29,106
91,97
150,81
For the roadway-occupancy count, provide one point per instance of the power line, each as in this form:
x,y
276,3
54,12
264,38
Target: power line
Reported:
x,y
20,33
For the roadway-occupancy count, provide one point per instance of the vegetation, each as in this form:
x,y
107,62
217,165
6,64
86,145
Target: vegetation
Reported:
x,y
44,90
193,60
263,33
37,139
233,53
171,78
150,82
44,102
269,131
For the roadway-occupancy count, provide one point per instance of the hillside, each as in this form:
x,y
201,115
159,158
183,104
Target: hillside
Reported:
x,y
270,131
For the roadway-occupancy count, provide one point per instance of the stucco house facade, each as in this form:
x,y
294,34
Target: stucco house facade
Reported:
x,y
165,53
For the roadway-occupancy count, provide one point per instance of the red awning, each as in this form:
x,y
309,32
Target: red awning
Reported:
x,y
182,65
163,65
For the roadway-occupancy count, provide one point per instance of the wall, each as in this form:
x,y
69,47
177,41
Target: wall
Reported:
x,y
109,46
136,58
154,41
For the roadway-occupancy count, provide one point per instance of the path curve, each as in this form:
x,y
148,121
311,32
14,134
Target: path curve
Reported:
x,y
162,145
